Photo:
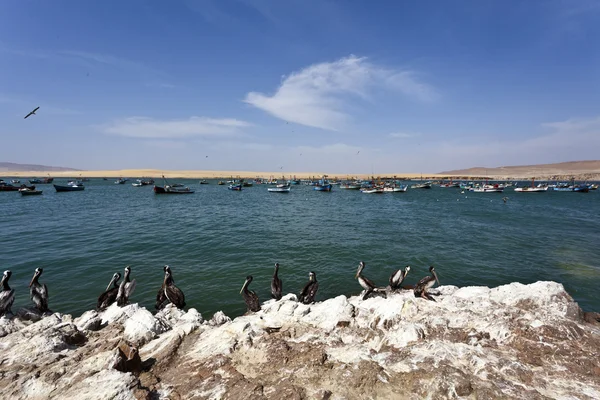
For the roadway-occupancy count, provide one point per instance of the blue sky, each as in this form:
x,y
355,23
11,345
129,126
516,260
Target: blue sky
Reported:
x,y
299,85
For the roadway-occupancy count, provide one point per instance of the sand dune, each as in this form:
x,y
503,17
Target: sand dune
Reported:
x,y
589,170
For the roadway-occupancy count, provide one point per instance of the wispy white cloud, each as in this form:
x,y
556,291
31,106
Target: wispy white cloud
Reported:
x,y
318,95
573,139
143,127
403,135
115,62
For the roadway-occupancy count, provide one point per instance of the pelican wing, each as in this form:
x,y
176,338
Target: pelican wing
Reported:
x,y
251,300
423,283
107,298
276,288
312,291
175,296
129,288
161,298
7,297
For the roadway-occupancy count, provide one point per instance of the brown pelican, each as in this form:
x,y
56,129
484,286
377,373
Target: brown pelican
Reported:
x,y
365,282
110,294
250,297
7,295
125,289
309,292
169,292
398,277
426,283
32,113
39,292
276,286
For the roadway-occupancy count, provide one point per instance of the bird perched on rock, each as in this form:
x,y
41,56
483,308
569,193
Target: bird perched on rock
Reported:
x,y
365,282
309,291
39,292
424,284
109,296
7,295
126,288
276,285
398,277
32,112
168,292
251,298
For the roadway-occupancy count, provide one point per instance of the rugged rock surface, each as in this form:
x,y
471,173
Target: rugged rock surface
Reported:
x,y
514,341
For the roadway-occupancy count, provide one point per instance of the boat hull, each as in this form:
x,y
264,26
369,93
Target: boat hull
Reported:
x,y
323,188
30,192
11,188
69,188
172,190
279,190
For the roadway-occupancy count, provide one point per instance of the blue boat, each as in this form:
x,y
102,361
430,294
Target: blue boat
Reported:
x,y
235,187
323,185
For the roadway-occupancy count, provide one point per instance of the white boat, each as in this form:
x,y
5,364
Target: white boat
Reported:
x,y
392,189
280,189
137,184
488,189
531,189
372,190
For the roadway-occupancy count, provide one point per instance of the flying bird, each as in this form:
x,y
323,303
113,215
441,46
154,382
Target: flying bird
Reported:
x,y
32,113
357,152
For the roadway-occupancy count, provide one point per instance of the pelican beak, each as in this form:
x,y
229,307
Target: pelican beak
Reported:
x,y
436,277
244,286
32,279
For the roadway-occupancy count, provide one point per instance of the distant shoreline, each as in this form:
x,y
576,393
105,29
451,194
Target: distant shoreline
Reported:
x,y
206,174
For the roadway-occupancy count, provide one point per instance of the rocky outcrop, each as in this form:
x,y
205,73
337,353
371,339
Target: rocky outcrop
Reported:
x,y
513,341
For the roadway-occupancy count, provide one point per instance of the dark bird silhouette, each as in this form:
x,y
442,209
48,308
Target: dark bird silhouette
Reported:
x,y
169,293
309,292
276,286
126,288
38,292
109,296
32,113
398,277
7,295
424,284
251,299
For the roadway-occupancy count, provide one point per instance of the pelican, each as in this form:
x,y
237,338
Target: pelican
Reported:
x,y
426,283
398,277
32,113
39,292
276,286
309,292
365,282
7,295
125,289
169,292
110,294
250,297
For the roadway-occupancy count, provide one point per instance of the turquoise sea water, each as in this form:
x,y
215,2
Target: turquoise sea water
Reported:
x,y
214,238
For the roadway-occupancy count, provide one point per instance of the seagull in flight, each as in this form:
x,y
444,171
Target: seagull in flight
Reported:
x,y
32,113
357,152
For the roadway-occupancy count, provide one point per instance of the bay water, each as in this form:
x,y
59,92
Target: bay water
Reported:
x,y
214,238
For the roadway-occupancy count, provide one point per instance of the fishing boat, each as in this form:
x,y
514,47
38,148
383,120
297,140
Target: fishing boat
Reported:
x,y
495,188
38,181
29,192
172,189
236,187
350,186
7,187
424,185
281,188
204,182
532,188
564,187
395,188
137,184
323,185
121,181
220,183
373,190
73,186
449,184
15,181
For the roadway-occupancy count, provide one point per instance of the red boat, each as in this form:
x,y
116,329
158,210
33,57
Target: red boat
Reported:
x,y
7,187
